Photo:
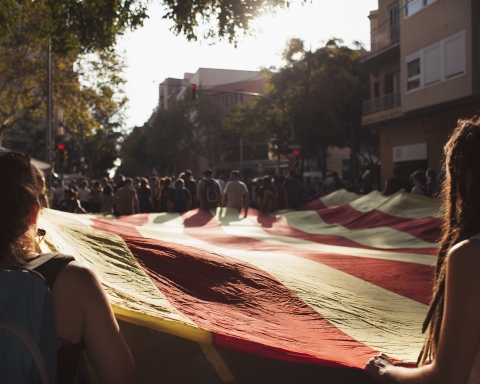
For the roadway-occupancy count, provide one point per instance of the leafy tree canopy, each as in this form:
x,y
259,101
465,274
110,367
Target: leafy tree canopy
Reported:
x,y
88,25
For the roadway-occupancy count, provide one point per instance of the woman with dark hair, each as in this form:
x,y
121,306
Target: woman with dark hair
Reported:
x,y
95,197
144,196
419,184
167,187
158,194
107,199
266,196
83,316
451,352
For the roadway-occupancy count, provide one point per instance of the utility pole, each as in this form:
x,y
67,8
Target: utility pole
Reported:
x,y
305,109
353,151
48,138
241,155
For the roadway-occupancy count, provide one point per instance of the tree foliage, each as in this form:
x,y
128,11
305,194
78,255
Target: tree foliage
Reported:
x,y
87,88
159,143
90,25
71,26
322,91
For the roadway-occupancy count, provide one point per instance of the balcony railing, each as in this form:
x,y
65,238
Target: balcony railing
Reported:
x,y
384,37
389,101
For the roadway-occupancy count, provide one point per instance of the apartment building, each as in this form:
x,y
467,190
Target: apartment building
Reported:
x,y
424,75
220,85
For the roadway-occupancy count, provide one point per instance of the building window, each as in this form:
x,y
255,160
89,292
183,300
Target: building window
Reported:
x,y
454,55
413,6
436,63
433,62
413,74
394,12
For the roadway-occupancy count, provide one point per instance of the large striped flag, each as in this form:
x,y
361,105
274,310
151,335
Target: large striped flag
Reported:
x,y
331,284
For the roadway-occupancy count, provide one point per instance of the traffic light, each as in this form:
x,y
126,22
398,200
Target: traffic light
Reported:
x,y
296,154
193,91
62,154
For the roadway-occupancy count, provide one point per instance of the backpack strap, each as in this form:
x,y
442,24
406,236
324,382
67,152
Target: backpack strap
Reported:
x,y
32,347
48,265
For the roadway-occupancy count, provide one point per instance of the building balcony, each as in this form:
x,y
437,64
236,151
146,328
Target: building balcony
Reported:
x,y
389,101
384,44
384,37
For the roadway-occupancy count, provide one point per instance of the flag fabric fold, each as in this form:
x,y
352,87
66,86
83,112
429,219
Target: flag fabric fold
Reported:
x,y
330,284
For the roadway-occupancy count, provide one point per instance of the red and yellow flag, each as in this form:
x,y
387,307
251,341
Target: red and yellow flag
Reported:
x,y
331,284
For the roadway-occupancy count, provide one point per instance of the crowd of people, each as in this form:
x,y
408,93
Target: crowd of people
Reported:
x,y
126,196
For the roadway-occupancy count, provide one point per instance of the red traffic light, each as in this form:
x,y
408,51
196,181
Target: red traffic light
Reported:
x,y
296,152
193,91
61,146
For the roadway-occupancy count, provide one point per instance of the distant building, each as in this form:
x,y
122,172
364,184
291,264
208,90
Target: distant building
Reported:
x,y
170,88
424,64
217,83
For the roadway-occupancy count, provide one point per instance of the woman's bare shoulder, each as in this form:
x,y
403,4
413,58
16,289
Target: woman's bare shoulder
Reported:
x,y
466,253
77,273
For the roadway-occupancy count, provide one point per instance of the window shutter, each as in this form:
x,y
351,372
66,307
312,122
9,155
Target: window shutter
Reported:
x,y
432,65
455,56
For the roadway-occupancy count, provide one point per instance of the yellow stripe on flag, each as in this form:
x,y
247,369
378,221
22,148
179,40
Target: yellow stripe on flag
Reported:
x,y
133,296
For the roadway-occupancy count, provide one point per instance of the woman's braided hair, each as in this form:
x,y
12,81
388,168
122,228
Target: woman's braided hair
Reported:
x,y
462,166
18,194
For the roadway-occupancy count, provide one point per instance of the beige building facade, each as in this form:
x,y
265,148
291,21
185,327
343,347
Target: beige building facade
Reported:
x,y
424,75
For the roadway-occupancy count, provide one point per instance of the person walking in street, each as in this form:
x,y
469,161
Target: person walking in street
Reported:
x,y
294,191
70,203
179,199
279,187
451,353
397,182
59,194
144,194
191,186
158,194
432,184
83,193
167,187
266,196
95,197
236,193
419,184
107,200
126,199
209,191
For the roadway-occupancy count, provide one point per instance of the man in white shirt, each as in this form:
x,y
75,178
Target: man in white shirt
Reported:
x,y
83,193
236,193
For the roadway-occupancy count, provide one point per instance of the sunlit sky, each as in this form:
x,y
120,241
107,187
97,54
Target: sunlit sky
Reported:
x,y
154,53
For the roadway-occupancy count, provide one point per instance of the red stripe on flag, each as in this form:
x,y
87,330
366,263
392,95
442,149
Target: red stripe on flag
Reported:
x,y
124,226
425,228
245,307
407,279
279,227
138,219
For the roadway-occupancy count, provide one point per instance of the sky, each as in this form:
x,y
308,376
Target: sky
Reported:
x,y
154,53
